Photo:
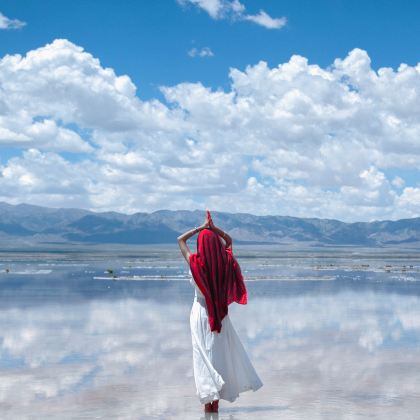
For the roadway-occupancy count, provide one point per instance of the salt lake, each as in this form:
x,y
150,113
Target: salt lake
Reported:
x,y
333,333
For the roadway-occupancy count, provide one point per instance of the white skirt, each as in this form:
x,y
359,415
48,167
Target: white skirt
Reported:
x,y
222,369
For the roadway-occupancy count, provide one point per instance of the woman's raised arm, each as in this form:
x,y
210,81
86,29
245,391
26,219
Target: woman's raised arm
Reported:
x,y
182,240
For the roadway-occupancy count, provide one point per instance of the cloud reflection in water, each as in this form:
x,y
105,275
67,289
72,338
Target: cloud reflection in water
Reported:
x,y
321,356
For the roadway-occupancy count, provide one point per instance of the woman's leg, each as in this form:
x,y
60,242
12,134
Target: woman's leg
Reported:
x,y
208,408
215,406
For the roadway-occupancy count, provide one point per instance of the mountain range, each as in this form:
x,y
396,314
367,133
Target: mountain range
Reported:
x,y
26,224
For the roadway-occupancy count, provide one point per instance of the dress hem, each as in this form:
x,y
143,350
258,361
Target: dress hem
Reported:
x,y
216,395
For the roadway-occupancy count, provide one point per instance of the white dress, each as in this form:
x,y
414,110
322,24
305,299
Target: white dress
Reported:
x,y
222,369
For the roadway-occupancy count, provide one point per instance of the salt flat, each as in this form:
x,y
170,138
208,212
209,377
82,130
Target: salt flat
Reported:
x,y
78,343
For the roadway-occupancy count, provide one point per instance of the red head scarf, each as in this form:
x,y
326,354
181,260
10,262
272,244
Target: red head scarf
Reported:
x,y
218,275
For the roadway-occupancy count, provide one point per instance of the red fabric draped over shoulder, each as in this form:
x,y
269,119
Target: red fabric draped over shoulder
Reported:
x,y
218,276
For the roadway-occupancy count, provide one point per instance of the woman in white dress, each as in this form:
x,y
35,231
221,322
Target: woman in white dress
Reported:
x,y
222,369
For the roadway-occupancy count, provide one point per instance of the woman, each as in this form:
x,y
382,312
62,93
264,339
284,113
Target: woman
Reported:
x,y
222,369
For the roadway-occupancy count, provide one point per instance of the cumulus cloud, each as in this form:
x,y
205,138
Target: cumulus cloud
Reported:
x,y
200,52
235,10
295,139
45,134
6,23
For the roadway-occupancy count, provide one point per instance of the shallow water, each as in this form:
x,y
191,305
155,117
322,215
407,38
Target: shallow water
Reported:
x,y
332,334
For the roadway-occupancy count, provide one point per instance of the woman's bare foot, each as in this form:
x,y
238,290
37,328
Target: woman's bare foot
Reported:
x,y
215,406
208,408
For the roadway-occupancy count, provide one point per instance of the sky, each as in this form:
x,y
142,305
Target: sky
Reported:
x,y
298,108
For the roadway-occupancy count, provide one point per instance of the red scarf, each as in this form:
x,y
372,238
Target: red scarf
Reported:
x,y
218,275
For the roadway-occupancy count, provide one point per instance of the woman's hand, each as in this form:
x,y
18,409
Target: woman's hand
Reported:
x,y
205,225
209,220
224,235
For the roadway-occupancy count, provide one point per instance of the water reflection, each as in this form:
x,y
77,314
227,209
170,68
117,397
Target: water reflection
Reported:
x,y
318,356
106,349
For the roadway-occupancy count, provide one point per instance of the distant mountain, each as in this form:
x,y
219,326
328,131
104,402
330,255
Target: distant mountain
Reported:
x,y
27,224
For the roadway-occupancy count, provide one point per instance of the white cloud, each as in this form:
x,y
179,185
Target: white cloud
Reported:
x,y
213,7
46,135
398,182
6,23
235,10
294,139
200,52
409,199
263,19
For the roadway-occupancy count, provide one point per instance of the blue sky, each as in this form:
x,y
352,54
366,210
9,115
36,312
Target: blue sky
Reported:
x,y
157,44
149,40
